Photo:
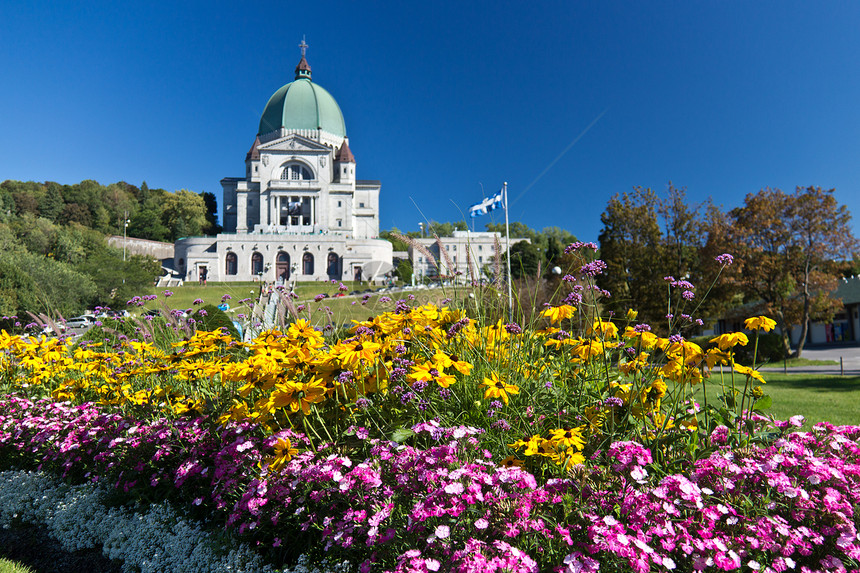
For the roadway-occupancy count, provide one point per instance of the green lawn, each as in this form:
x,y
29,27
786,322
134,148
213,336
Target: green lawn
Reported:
x,y
819,398
343,310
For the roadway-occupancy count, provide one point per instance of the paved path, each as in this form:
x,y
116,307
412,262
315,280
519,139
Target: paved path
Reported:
x,y
850,356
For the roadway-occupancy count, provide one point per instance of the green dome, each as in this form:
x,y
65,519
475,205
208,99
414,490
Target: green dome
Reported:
x,y
302,104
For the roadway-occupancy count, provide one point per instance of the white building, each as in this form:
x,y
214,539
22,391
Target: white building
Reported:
x,y
299,212
454,255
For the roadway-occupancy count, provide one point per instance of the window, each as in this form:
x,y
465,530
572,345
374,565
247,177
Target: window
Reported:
x,y
282,267
480,259
361,205
333,269
480,248
232,264
256,264
339,223
339,203
307,264
296,172
447,247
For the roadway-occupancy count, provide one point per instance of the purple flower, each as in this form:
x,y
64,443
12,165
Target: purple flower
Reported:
x,y
725,259
593,268
197,301
226,297
513,328
578,245
167,294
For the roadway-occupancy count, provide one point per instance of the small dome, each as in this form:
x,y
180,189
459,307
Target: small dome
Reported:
x,y
302,104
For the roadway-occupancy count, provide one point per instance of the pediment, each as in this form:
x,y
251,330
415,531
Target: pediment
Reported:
x,y
292,143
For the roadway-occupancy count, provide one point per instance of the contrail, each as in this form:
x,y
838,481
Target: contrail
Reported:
x,y
559,156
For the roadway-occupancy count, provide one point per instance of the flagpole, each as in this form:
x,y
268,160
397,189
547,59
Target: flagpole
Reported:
x,y
508,257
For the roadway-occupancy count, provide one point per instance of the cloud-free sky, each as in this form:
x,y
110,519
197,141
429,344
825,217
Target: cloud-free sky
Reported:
x,y
569,102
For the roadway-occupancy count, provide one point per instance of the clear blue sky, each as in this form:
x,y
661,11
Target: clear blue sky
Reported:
x,y
723,98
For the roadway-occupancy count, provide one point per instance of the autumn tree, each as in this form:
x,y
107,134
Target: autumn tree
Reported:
x,y
789,245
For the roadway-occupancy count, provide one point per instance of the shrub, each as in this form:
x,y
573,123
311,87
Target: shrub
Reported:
x,y
210,317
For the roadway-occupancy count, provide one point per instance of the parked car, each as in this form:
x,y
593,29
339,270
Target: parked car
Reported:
x,y
83,321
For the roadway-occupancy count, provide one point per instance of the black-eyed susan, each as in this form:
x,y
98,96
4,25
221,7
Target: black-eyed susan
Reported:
x,y
760,323
497,388
568,438
556,314
284,452
730,340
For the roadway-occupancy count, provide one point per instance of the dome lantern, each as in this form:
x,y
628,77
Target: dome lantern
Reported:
x,y
303,70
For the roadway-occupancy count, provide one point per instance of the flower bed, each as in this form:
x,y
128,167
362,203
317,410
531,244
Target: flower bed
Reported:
x,y
429,440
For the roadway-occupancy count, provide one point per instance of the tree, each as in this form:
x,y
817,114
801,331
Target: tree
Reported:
x,y
404,271
789,245
396,244
630,245
212,226
525,260
184,213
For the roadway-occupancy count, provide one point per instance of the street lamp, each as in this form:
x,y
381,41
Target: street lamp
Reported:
x,y
421,228
124,236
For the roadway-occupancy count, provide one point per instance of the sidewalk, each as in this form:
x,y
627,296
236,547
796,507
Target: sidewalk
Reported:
x,y
849,355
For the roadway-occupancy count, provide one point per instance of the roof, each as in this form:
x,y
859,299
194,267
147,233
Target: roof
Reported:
x,y
254,153
344,154
848,290
302,104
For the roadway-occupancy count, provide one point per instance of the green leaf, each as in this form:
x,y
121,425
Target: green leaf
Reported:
x,y
400,435
763,403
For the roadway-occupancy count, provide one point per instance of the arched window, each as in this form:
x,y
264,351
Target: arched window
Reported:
x,y
333,269
296,172
232,264
256,264
307,264
282,267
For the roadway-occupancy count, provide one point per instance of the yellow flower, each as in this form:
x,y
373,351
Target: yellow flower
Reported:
x,y
568,438
747,371
496,388
726,341
760,323
716,356
353,353
558,313
603,328
632,314
284,452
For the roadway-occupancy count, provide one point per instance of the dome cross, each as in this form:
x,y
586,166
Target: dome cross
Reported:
x,y
303,46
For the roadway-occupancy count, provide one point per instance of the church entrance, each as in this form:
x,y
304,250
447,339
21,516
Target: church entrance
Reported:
x,y
357,274
282,267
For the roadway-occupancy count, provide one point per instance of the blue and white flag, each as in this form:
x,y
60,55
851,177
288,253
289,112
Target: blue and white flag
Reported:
x,y
487,205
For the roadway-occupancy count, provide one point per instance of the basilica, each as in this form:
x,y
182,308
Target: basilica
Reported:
x,y
299,213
